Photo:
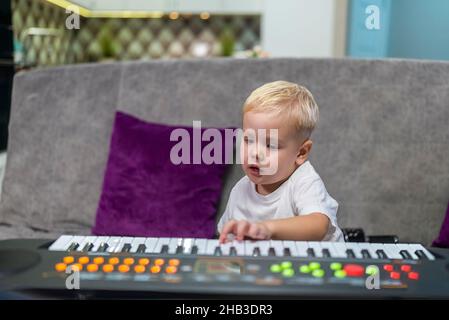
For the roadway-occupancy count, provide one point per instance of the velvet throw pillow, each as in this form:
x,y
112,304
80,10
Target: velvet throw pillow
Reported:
x,y
443,239
161,180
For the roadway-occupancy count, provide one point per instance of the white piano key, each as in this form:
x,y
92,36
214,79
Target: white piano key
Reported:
x,y
316,246
86,240
160,244
98,242
137,241
76,239
377,246
150,244
173,245
278,247
225,248
112,243
264,246
211,247
340,249
122,242
367,246
291,246
416,246
201,245
239,247
392,251
354,246
250,245
61,244
328,245
187,244
301,248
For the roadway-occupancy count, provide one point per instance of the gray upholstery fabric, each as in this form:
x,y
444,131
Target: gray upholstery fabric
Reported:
x,y
381,144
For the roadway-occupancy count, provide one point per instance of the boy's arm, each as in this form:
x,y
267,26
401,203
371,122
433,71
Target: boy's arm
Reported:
x,y
311,227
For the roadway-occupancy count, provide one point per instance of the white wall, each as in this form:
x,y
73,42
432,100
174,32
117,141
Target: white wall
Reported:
x,y
302,28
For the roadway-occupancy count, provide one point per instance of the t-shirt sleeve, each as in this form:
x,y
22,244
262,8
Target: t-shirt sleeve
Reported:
x,y
312,196
227,214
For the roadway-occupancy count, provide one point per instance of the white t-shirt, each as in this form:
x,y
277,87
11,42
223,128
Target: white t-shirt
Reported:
x,y
303,193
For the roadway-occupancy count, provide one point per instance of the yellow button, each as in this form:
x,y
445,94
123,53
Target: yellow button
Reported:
x,y
144,261
68,259
139,268
92,267
83,260
173,262
108,268
128,261
159,262
123,268
114,260
76,267
98,260
155,269
171,269
60,267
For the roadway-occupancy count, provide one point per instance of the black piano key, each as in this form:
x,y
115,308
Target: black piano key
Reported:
x,y
366,254
164,248
126,247
421,255
103,247
326,253
271,252
405,254
381,254
287,252
73,246
310,252
350,253
256,252
233,251
141,248
194,250
88,247
179,250
217,251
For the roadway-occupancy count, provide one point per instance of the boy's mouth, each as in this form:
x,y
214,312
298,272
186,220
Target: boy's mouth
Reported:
x,y
254,170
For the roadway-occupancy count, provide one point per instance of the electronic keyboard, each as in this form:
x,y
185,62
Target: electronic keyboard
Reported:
x,y
188,267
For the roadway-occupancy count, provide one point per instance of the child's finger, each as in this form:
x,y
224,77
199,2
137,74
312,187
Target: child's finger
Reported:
x,y
242,229
226,230
254,231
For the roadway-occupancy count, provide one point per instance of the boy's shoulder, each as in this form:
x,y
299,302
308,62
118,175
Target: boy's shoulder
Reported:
x,y
305,173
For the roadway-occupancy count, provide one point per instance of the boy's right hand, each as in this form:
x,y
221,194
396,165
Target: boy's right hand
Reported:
x,y
243,228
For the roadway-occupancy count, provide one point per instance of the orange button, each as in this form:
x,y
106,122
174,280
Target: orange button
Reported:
x,y
98,260
108,268
144,261
123,268
68,259
173,262
60,267
155,269
139,268
171,269
76,267
159,262
128,261
114,260
83,260
92,267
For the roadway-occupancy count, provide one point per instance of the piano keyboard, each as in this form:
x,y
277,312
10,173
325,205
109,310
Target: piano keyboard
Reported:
x,y
211,247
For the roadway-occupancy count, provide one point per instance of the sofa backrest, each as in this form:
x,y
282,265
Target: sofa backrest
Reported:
x,y
381,145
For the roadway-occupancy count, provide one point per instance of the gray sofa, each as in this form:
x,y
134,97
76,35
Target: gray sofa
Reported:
x,y
381,145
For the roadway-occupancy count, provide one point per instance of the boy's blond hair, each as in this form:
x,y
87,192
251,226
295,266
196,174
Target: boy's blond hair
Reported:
x,y
287,99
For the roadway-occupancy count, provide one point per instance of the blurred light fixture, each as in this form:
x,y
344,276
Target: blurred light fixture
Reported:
x,y
204,15
200,49
173,15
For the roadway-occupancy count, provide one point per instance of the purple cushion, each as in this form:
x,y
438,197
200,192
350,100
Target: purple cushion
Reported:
x,y
145,194
443,239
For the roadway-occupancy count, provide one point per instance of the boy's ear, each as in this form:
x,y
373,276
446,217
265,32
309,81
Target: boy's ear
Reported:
x,y
303,153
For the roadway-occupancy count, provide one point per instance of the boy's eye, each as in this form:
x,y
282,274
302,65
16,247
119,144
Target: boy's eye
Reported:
x,y
272,146
249,140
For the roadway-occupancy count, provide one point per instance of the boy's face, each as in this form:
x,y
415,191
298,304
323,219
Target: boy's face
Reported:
x,y
268,160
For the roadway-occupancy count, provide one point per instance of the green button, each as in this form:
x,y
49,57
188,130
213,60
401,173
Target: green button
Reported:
x,y
304,269
340,274
335,266
314,265
275,268
286,265
370,270
318,273
288,273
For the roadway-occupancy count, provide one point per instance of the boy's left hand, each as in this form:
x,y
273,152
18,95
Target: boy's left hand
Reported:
x,y
243,228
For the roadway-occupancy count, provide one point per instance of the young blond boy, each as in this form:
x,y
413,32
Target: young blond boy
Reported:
x,y
290,203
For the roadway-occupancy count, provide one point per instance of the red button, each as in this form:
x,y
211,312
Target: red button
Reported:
x,y
388,267
354,270
413,275
406,268
395,275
